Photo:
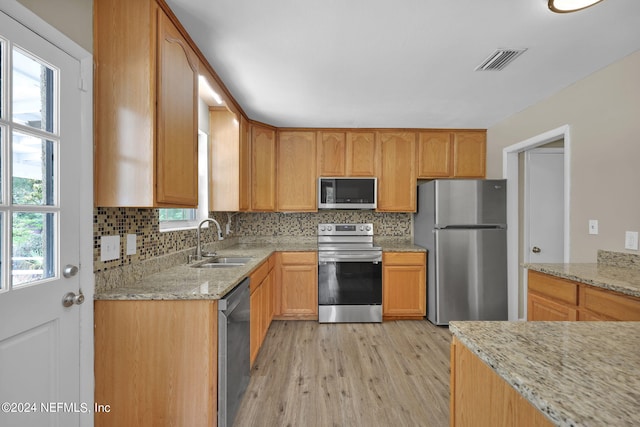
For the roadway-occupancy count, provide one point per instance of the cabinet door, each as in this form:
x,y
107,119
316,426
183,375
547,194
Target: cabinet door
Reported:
x,y
397,177
255,324
469,154
404,285
224,161
296,166
124,80
540,308
244,203
331,153
297,285
434,154
608,305
263,169
177,119
361,154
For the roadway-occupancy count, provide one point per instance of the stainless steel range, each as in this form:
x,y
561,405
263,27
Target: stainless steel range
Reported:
x,y
349,274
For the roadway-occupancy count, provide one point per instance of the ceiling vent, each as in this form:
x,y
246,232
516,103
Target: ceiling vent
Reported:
x,y
499,59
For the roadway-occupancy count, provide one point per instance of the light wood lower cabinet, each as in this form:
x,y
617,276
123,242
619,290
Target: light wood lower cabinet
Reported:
x,y
480,398
553,298
261,288
296,285
156,362
404,285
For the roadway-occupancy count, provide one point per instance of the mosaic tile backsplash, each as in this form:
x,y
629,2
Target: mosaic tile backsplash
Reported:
x,y
151,243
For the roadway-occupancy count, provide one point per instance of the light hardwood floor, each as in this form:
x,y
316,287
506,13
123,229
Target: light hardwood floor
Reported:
x,y
359,374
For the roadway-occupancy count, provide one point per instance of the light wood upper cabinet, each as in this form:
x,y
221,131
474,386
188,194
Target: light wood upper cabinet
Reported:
x,y
469,154
263,168
225,161
404,285
397,172
296,166
332,147
451,154
351,153
145,154
244,200
434,154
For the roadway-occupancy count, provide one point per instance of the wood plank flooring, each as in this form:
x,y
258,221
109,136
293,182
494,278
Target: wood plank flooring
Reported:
x,y
359,374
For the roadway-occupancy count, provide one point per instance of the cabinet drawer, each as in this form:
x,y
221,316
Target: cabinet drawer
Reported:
x,y
258,275
298,258
611,304
403,258
553,287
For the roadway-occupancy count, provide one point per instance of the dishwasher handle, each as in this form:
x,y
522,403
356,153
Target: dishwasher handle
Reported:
x,y
233,298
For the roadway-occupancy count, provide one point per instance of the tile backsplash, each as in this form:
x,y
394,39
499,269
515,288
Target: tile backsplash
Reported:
x,y
306,224
152,243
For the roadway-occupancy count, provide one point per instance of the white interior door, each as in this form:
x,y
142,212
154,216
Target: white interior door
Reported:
x,y
544,205
39,216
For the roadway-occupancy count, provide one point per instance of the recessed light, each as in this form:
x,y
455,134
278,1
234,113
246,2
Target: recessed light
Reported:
x,y
566,6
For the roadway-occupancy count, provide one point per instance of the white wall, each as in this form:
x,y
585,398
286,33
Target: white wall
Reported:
x,y
603,112
73,18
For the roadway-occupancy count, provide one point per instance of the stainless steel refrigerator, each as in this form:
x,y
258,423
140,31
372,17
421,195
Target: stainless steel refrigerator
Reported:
x,y
462,223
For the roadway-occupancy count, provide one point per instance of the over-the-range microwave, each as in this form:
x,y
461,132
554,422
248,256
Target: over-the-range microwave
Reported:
x,y
347,193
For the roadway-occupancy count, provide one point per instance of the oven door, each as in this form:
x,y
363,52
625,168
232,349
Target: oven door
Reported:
x,y
349,291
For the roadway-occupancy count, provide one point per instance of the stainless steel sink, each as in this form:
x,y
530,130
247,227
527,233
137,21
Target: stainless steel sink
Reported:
x,y
231,260
223,262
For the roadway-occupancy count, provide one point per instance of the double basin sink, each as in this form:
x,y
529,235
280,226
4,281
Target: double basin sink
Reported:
x,y
222,262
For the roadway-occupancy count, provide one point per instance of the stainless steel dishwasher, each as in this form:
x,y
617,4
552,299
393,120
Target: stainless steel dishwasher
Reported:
x,y
233,352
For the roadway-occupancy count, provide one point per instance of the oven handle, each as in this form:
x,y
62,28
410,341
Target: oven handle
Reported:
x,y
324,259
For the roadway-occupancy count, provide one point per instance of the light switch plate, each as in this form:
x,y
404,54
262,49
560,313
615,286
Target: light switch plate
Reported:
x,y
631,240
131,244
109,248
593,226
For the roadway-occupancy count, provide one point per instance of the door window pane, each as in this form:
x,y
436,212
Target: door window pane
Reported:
x,y
32,170
33,92
32,243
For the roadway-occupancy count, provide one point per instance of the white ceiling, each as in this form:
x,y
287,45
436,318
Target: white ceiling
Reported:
x,y
401,63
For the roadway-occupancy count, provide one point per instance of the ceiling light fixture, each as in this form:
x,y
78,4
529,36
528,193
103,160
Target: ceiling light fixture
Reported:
x,y
566,6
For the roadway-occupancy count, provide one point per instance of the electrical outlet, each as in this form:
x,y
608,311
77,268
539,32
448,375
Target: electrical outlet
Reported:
x,y
109,248
593,226
631,240
131,244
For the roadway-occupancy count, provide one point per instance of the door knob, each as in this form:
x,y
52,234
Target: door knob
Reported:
x,y
69,271
535,250
70,298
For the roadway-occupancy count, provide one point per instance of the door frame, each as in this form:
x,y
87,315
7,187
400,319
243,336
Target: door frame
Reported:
x,y
45,30
510,172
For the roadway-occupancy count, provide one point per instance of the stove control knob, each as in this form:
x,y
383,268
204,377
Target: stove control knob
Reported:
x,y
368,228
329,228
362,228
322,228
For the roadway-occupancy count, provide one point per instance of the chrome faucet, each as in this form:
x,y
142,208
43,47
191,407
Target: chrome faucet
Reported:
x,y
198,255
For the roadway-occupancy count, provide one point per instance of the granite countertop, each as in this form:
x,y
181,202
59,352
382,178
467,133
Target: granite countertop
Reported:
x,y
625,280
183,282
576,373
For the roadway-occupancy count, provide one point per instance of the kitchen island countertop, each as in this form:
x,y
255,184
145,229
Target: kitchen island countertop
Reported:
x,y
576,373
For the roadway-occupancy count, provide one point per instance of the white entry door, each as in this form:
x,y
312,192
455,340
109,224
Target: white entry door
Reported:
x,y
544,205
39,217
